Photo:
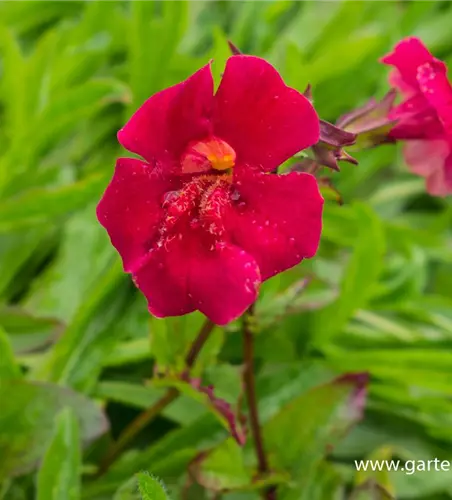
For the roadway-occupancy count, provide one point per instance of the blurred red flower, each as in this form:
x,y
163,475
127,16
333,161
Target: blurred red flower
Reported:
x,y
201,222
424,118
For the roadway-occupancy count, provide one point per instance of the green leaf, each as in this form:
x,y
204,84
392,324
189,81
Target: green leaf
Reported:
x,y
279,385
13,83
64,113
360,275
220,52
370,491
128,491
313,21
27,417
59,475
28,332
62,288
151,488
9,369
380,478
30,16
171,339
223,468
148,69
16,249
312,423
183,410
358,47
76,359
174,451
429,368
38,205
227,414
326,484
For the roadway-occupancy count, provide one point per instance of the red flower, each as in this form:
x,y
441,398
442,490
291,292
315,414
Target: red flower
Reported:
x,y
200,222
424,118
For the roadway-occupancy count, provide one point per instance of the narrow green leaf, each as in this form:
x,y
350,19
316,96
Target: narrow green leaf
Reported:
x,y
13,83
65,113
16,248
63,287
76,359
9,369
27,418
360,276
38,205
28,332
30,16
148,69
59,475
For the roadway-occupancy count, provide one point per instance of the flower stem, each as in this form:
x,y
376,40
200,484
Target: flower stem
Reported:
x,y
147,416
199,342
250,389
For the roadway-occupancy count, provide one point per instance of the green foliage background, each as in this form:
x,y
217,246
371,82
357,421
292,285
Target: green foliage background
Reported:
x,y
70,320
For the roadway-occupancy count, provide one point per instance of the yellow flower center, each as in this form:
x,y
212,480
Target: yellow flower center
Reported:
x,y
212,153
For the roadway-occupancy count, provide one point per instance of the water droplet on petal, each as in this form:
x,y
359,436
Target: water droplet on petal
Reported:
x,y
169,197
195,223
235,195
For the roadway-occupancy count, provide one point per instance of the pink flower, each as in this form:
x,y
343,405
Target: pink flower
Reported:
x,y
201,222
424,118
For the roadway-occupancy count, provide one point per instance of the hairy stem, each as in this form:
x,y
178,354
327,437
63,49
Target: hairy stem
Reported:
x,y
147,416
250,388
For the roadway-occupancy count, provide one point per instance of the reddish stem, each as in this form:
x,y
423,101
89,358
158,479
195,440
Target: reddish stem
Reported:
x,y
147,416
250,389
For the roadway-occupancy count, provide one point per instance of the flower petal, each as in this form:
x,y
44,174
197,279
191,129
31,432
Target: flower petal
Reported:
x,y
438,184
187,274
277,219
163,279
398,83
131,208
435,86
415,118
164,125
407,56
224,283
432,160
265,121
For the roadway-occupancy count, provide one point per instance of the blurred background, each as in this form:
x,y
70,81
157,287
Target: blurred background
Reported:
x,y
380,301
